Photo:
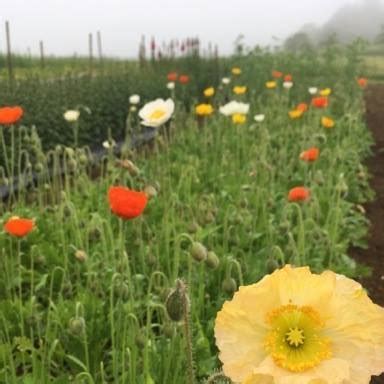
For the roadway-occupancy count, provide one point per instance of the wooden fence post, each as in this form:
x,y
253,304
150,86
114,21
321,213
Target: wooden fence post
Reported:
x,y
9,53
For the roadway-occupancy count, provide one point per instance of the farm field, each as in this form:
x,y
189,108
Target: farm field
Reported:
x,y
193,220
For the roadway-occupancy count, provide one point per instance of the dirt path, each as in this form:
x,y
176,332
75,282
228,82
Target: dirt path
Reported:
x,y
374,255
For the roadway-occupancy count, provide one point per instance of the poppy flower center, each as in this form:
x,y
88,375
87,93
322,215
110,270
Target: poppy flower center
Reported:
x,y
157,114
295,340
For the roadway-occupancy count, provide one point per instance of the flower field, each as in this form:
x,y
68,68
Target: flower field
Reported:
x,y
217,251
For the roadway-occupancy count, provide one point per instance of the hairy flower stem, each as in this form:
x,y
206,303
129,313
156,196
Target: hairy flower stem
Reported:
x,y
217,376
188,339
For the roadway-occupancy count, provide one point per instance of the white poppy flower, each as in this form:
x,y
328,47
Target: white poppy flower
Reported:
x,y
312,90
134,99
225,80
157,112
233,107
287,84
259,118
171,85
71,115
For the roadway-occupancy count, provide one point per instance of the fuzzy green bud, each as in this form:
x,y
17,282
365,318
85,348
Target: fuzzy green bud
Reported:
x,y
198,251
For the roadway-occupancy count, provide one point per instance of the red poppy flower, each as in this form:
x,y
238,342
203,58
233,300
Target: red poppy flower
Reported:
x,y
298,194
310,154
362,81
183,79
10,115
126,203
302,107
18,227
320,102
172,76
288,77
277,74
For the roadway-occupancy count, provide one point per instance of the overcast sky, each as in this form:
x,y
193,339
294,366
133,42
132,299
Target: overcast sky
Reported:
x,y
64,25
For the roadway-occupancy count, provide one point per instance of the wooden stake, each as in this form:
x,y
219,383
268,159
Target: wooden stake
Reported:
x,y
90,46
42,59
9,53
99,46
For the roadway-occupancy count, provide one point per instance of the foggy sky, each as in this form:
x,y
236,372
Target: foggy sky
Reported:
x,y
64,25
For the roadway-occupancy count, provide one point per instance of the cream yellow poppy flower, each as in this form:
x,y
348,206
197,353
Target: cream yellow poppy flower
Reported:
x,y
295,113
325,92
327,122
239,90
271,84
239,118
236,71
157,112
297,327
209,92
204,109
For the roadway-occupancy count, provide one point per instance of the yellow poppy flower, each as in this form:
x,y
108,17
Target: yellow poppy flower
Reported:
x,y
325,92
204,109
236,71
295,113
209,92
297,327
239,118
239,90
327,122
271,84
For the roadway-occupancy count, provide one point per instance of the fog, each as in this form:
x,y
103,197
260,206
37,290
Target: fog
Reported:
x,y
64,25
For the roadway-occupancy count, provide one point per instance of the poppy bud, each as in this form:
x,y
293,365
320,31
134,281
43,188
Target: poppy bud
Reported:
x,y
198,251
176,301
121,290
140,340
39,168
83,159
229,285
193,227
168,330
72,165
209,217
150,191
77,325
81,256
212,260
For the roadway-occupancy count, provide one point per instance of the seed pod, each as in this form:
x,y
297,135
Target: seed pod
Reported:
x,y
212,260
198,251
176,301
229,285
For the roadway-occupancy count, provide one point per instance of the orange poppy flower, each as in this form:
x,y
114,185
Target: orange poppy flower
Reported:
x,y
302,107
298,194
320,102
18,227
277,74
310,154
183,79
126,203
362,81
288,77
10,115
172,76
